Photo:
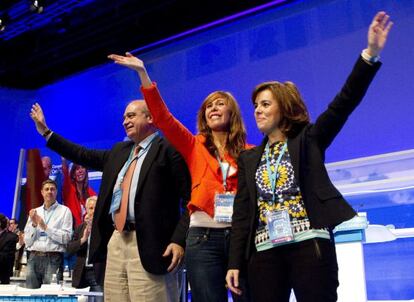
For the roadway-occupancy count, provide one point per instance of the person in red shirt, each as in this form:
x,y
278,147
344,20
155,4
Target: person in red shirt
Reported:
x,y
76,190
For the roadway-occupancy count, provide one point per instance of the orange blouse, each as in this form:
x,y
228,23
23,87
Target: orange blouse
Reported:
x,y
206,175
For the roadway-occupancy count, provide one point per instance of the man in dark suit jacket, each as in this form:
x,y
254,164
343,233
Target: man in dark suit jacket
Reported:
x,y
85,273
150,245
8,242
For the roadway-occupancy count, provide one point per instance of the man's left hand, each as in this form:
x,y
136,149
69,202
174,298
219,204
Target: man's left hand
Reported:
x,y
177,253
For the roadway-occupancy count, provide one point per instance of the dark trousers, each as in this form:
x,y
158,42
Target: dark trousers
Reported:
x,y
206,258
4,275
89,279
6,265
308,267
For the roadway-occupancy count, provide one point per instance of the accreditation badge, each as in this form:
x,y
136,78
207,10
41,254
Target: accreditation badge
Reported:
x,y
223,207
278,223
42,236
116,200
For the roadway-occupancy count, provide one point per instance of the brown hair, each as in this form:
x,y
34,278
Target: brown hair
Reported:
x,y
236,140
3,221
291,105
49,181
85,184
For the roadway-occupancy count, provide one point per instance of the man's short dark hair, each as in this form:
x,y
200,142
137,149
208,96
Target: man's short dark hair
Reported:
x,y
49,181
3,221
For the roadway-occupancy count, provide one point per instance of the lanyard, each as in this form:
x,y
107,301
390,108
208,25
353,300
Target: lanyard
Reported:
x,y
47,219
131,158
273,175
224,171
117,192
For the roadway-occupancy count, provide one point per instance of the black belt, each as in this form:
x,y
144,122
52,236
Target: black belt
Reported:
x,y
211,230
89,268
129,227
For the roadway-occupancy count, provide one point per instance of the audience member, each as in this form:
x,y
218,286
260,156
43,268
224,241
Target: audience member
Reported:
x,y
47,232
85,273
47,166
14,228
8,241
76,190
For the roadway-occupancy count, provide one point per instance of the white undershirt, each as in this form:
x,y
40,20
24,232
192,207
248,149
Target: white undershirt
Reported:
x,y
202,219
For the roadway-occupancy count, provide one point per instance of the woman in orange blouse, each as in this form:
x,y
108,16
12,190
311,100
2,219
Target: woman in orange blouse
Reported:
x,y
211,158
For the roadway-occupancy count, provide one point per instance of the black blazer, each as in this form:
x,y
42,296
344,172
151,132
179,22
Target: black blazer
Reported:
x,y
8,242
163,183
75,247
325,206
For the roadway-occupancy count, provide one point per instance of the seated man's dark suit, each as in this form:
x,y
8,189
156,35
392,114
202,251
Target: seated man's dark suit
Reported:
x,y
163,183
75,246
8,242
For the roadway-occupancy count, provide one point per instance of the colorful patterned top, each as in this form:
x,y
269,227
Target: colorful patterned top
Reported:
x,y
287,197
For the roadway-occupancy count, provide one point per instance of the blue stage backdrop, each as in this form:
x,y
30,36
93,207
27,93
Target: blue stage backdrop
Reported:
x,y
312,43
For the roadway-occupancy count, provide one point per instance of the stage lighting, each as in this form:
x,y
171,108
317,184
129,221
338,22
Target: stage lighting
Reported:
x,y
4,20
37,6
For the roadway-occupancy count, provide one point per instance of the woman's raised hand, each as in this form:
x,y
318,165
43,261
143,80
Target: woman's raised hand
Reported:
x,y
133,63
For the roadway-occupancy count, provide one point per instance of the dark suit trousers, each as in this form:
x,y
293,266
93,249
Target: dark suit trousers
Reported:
x,y
308,267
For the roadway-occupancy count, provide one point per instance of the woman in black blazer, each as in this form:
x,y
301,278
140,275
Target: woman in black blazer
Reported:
x,y
286,206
